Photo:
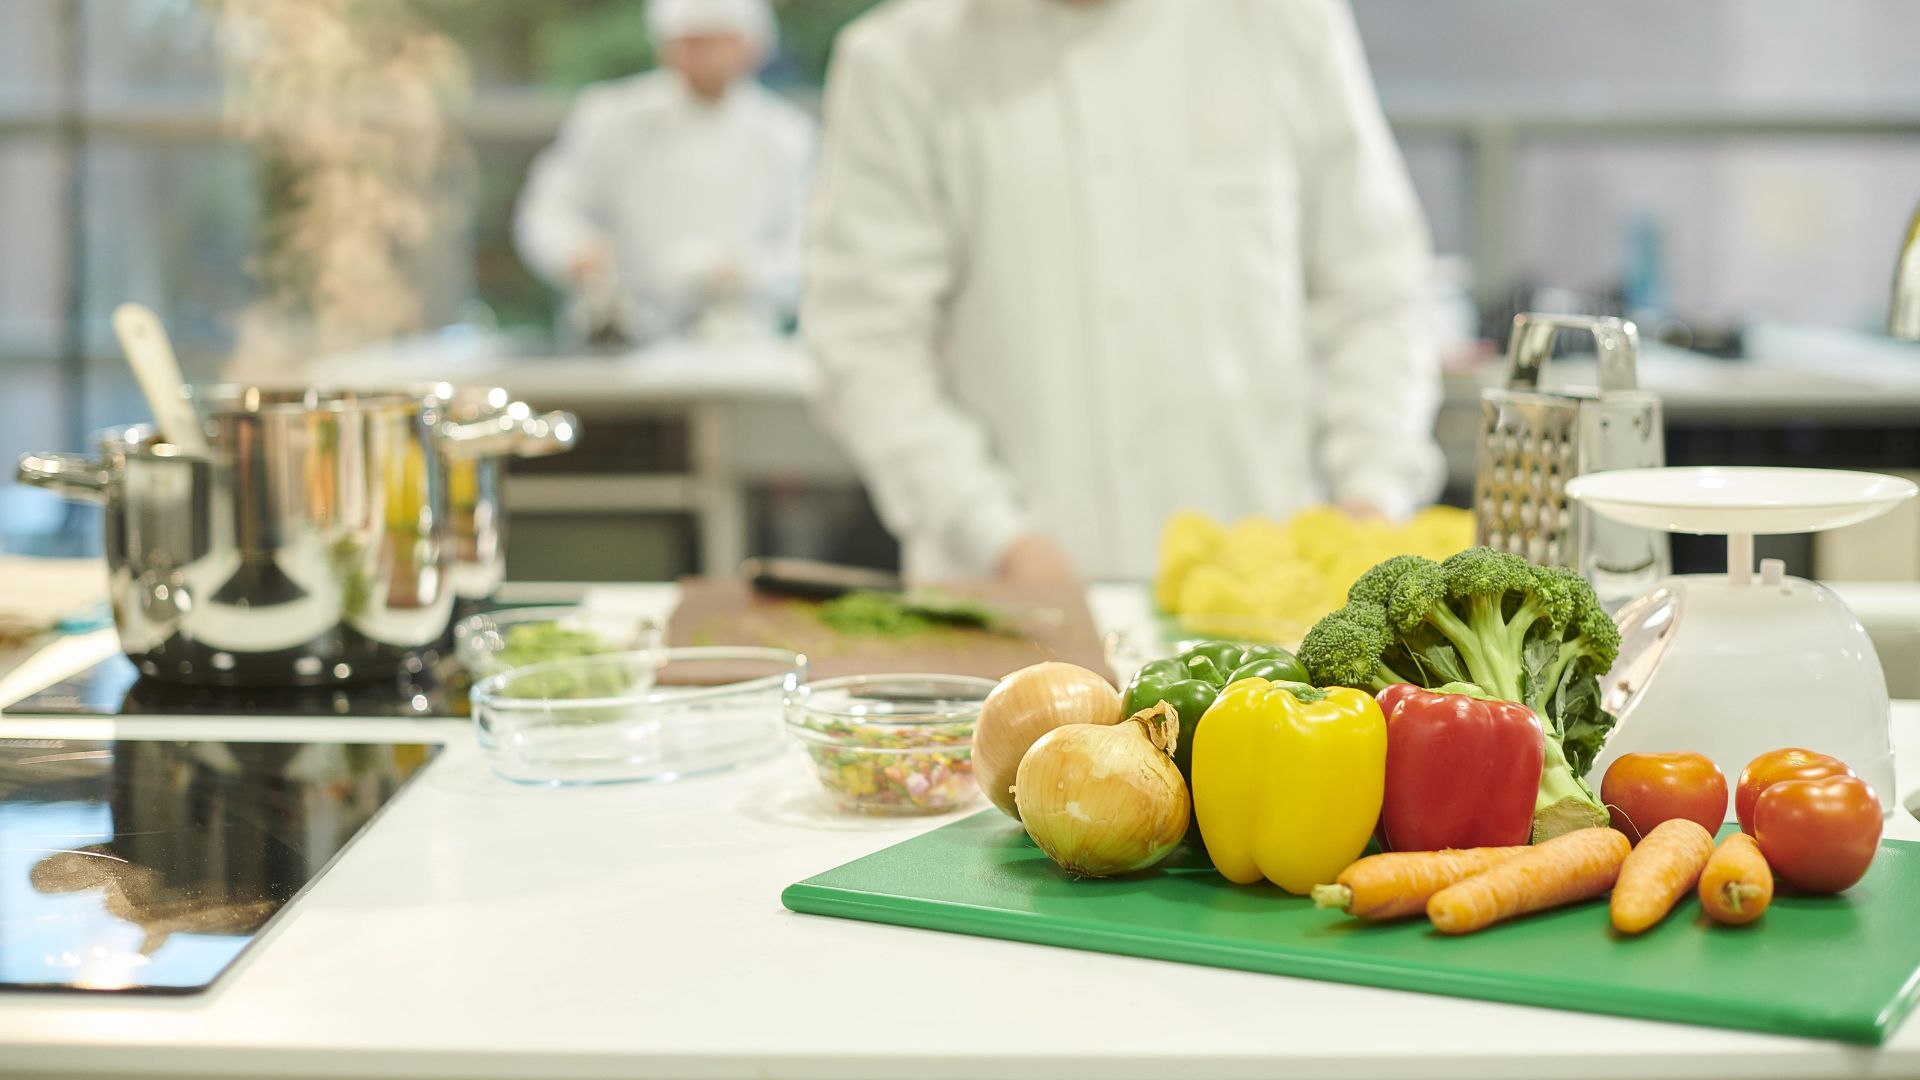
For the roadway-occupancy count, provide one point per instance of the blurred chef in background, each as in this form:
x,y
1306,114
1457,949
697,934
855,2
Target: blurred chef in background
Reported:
x,y
1078,264
674,199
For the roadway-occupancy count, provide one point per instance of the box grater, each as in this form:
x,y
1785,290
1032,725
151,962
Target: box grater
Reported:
x,y
1533,440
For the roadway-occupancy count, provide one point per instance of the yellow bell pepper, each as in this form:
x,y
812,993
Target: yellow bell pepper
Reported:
x,y
1287,781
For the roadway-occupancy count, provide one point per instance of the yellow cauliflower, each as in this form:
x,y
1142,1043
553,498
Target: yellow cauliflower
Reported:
x,y
1252,545
1266,579
1189,539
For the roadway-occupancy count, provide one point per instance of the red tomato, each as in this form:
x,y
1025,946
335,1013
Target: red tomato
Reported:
x,y
1643,790
1791,763
1818,835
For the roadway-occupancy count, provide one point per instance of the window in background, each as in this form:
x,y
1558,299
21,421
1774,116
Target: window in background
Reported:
x,y
1442,177
1736,159
566,44
1766,148
117,105
1738,229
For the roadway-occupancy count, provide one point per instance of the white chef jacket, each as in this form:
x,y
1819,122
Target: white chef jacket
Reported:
x,y
674,187
1074,267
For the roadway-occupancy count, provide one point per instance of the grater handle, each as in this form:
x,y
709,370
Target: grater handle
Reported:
x,y
1617,340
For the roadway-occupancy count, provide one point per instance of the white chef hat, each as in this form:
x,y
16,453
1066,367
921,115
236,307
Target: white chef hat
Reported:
x,y
752,19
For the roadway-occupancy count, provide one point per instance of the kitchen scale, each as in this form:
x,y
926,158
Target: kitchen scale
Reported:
x,y
1735,665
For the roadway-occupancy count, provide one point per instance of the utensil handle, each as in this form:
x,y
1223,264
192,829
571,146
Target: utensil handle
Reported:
x,y
150,354
70,475
514,434
1617,340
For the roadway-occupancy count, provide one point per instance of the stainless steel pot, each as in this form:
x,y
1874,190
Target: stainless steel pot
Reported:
x,y
312,543
511,430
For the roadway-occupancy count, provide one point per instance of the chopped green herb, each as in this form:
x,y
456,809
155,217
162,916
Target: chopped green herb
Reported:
x,y
893,615
872,614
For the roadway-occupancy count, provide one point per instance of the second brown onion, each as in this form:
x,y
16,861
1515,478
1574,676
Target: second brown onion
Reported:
x,y
1103,800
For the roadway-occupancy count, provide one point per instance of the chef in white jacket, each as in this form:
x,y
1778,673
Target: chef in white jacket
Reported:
x,y
1077,264
681,189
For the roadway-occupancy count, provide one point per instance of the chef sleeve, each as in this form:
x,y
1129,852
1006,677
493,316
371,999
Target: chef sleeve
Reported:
x,y
556,220
882,261
1366,261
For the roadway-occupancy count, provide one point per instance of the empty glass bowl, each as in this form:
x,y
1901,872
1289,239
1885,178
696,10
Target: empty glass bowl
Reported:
x,y
493,641
891,744
659,714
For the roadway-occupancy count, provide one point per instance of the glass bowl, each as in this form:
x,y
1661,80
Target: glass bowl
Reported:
x,y
494,641
660,714
891,744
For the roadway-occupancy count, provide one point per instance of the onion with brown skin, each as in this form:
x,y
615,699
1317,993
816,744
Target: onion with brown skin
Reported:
x,y
1106,800
1026,705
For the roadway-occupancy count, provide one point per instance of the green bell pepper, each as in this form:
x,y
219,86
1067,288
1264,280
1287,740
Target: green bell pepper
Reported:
x,y
1190,681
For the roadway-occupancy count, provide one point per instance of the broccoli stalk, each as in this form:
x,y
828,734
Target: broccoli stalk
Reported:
x,y
1565,802
1523,633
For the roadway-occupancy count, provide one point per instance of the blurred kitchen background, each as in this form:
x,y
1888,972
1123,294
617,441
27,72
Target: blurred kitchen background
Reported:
x,y
1736,175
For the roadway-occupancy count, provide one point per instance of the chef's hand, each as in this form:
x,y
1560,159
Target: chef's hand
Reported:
x,y
726,281
1362,511
1035,560
588,265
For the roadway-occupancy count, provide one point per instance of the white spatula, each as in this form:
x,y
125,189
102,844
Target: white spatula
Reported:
x,y
150,354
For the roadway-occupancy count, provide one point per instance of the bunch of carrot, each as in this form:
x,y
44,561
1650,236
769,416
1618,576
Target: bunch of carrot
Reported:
x,y
1464,891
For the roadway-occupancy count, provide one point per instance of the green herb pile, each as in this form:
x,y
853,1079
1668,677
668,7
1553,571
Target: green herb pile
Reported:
x,y
892,615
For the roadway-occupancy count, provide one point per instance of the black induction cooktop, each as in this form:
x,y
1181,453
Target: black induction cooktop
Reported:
x,y
149,866
114,687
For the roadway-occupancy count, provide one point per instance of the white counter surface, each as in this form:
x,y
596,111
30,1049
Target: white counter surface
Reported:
x,y
1789,370
669,373
485,930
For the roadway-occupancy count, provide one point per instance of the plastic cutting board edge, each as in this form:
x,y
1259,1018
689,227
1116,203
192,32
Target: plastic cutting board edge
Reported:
x,y
1844,967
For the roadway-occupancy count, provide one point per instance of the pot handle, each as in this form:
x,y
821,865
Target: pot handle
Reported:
x,y
71,475
512,434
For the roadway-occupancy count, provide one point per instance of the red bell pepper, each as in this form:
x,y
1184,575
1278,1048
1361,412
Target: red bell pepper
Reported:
x,y
1463,770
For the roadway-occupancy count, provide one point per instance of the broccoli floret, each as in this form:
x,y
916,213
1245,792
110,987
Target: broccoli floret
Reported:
x,y
1536,635
1486,604
1348,648
1590,639
1376,585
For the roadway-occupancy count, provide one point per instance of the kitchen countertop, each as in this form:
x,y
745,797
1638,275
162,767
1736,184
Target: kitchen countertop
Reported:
x,y
486,930
1802,372
1788,370
753,369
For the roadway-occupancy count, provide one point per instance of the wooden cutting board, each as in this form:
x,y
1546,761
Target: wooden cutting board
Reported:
x,y
714,612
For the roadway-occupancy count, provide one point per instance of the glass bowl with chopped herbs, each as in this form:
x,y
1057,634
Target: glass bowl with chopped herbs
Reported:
x,y
891,744
496,641
660,714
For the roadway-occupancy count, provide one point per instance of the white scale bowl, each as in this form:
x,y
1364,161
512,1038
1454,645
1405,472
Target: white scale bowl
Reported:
x,y
1720,499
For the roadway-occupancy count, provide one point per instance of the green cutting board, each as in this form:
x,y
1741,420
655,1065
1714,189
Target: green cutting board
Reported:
x,y
1842,967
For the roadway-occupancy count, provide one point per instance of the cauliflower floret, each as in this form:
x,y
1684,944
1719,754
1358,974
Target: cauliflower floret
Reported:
x,y
1188,540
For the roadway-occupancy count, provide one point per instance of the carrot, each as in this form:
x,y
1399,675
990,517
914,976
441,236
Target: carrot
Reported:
x,y
1663,868
1737,884
1399,883
1572,866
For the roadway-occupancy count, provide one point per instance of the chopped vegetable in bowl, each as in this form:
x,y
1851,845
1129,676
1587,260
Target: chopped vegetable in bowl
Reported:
x,y
497,641
923,773
532,643
891,744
